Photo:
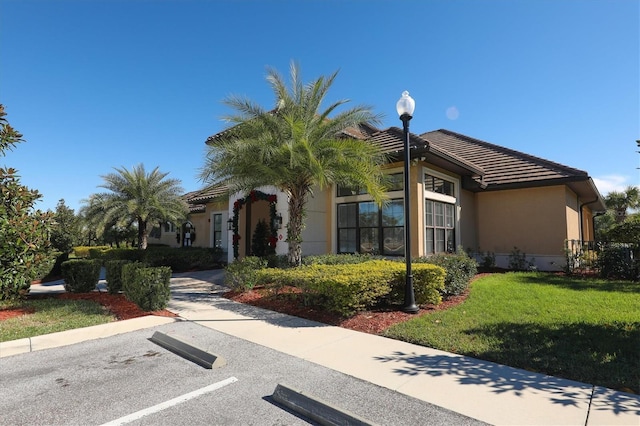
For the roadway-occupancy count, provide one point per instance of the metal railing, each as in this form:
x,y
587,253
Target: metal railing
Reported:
x,y
582,256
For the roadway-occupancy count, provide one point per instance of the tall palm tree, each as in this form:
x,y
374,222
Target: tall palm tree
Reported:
x,y
620,202
138,198
295,147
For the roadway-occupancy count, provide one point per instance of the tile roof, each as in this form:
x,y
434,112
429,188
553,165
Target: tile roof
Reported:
x,y
502,166
483,166
207,194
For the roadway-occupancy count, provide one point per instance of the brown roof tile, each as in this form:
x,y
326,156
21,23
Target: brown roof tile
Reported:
x,y
502,166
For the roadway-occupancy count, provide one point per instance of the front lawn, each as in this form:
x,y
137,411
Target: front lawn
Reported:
x,y
581,329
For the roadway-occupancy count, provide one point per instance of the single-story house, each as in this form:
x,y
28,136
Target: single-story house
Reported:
x,y
464,192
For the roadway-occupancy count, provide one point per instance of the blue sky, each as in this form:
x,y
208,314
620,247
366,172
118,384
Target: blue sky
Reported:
x,y
94,85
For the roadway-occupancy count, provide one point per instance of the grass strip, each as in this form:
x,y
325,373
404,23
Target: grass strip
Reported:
x,y
581,329
53,315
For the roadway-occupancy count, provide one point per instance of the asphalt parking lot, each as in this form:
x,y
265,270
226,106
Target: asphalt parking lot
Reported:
x,y
128,379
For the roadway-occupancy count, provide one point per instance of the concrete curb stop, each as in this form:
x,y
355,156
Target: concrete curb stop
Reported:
x,y
188,351
315,409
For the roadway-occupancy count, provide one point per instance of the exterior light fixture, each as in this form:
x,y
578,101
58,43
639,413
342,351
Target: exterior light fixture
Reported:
x,y
230,225
405,107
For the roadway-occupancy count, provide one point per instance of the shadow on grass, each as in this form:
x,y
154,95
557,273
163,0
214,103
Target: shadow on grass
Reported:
x,y
581,283
602,354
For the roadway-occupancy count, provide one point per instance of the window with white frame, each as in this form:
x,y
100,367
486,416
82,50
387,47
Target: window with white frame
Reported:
x,y
440,214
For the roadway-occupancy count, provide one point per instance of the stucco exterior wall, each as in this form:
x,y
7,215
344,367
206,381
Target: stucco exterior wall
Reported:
x,y
468,221
316,236
199,221
573,217
533,220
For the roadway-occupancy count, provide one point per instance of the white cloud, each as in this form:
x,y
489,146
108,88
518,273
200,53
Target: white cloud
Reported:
x,y
609,183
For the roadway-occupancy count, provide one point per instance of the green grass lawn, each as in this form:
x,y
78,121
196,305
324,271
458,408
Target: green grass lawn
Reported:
x,y
581,329
53,315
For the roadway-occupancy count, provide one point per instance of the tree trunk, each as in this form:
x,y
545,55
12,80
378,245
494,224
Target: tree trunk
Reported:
x,y
142,234
297,202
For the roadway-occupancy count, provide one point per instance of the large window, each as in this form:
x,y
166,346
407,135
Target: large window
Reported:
x,y
440,227
365,228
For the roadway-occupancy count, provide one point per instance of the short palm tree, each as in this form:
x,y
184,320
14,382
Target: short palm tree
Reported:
x,y
294,147
620,202
136,197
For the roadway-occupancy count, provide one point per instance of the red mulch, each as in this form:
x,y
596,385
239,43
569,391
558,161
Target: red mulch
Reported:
x,y
288,301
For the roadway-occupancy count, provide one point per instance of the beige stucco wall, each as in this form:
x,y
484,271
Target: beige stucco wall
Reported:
x,y
534,220
572,215
468,221
316,236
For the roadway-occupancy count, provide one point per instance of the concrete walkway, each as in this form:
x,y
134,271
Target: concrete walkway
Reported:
x,y
479,389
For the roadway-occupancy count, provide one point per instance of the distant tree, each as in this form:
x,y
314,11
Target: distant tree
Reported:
x,y
66,233
621,202
24,232
136,197
295,147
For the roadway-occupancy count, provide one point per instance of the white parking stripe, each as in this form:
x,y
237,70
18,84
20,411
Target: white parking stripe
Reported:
x,y
175,401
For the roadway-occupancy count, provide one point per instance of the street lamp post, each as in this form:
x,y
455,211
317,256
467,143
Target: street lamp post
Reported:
x,y
405,107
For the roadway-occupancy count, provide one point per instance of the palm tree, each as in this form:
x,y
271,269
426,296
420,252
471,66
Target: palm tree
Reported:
x,y
138,198
294,147
621,201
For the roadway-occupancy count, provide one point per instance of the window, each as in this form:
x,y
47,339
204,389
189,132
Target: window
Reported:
x,y
440,227
169,227
438,185
395,182
217,230
365,228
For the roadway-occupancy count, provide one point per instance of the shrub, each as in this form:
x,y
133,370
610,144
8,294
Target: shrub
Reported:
x,y
616,261
50,267
336,259
428,283
183,259
346,289
147,287
488,260
518,260
80,276
106,254
84,252
349,288
114,274
242,274
460,270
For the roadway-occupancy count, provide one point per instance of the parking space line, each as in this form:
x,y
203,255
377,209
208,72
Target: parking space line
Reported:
x,y
170,403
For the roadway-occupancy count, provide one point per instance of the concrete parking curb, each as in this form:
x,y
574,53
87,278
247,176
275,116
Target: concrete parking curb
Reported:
x,y
63,338
314,408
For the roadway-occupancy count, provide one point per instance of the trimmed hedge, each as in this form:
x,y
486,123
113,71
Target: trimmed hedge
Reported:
x,y
347,289
80,276
178,259
147,287
84,251
114,275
